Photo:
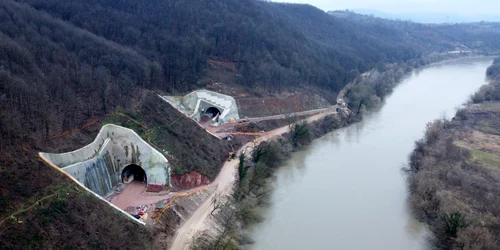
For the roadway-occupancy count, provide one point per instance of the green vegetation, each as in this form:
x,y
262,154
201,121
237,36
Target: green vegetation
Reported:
x,y
369,91
452,223
489,159
490,92
300,134
242,169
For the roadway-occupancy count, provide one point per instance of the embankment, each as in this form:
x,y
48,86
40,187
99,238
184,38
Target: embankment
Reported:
x,y
233,214
282,104
369,89
454,173
257,169
177,211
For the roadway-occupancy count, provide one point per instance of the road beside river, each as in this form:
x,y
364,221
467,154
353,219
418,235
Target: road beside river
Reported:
x,y
346,190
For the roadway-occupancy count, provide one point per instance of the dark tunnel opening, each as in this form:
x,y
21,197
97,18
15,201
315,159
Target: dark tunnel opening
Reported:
x,y
210,113
133,172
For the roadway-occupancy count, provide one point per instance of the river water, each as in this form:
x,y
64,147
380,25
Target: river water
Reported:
x,y
346,190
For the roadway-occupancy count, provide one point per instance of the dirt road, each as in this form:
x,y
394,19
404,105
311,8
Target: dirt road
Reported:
x,y
224,182
227,128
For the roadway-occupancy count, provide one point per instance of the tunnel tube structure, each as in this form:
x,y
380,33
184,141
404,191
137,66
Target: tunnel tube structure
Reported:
x,y
115,152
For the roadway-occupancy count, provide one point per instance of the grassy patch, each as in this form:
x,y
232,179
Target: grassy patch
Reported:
x,y
486,127
489,159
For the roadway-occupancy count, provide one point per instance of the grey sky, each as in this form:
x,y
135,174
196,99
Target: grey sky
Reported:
x,y
467,7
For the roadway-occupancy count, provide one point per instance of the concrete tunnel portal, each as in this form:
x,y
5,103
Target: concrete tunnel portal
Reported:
x,y
213,111
117,155
134,172
202,105
210,113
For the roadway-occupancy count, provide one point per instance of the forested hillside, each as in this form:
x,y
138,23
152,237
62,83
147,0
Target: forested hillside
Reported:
x,y
482,36
273,45
65,63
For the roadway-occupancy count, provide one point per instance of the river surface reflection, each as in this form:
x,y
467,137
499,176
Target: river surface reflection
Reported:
x,y
346,190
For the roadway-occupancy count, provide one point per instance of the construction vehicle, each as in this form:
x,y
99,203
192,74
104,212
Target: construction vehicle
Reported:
x,y
232,155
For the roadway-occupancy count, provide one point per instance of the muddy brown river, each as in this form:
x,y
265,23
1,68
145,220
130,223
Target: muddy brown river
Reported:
x,y
346,190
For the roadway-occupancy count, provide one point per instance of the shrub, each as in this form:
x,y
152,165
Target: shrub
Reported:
x,y
452,223
300,134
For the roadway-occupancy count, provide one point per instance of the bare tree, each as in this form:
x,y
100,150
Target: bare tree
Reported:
x,y
218,201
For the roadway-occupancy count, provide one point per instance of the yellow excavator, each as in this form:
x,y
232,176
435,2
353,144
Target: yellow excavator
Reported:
x,y
232,155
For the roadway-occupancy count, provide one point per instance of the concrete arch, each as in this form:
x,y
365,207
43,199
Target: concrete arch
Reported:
x,y
133,172
99,165
213,111
196,103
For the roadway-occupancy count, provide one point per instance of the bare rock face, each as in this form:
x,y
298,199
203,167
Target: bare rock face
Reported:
x,y
189,180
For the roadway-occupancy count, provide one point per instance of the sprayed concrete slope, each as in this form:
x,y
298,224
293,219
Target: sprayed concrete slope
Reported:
x,y
99,165
197,103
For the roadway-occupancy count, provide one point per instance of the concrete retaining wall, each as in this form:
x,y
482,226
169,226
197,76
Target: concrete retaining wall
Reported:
x,y
195,103
99,165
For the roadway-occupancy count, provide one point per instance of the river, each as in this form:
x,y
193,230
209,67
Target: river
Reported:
x,y
346,190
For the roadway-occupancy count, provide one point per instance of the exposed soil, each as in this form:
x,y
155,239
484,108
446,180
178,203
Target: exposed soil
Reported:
x,y
256,126
134,194
189,180
283,104
223,184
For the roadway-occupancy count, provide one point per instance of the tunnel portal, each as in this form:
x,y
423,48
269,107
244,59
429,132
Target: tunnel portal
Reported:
x,y
133,172
210,113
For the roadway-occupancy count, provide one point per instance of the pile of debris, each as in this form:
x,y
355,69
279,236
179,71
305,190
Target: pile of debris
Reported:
x,y
139,212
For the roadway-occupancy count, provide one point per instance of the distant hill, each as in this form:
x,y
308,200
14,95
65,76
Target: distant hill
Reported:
x,y
478,36
65,63
431,17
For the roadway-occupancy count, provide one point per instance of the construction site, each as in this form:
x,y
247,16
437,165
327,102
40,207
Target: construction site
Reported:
x,y
128,173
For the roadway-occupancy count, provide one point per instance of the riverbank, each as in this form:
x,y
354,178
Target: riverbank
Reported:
x,y
368,91
262,194
454,173
348,184
230,213
196,222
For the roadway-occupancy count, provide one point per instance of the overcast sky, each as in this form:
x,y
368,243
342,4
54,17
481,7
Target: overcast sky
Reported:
x,y
467,7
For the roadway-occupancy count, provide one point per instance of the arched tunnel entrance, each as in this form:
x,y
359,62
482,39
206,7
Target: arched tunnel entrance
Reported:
x,y
133,172
210,113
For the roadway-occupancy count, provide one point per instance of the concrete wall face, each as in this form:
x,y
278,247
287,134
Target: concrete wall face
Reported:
x,y
196,102
99,165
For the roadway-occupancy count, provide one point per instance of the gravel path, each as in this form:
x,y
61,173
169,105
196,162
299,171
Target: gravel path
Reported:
x,y
223,182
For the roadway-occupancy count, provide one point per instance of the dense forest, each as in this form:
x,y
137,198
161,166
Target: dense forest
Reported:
x,y
65,63
481,36
273,45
